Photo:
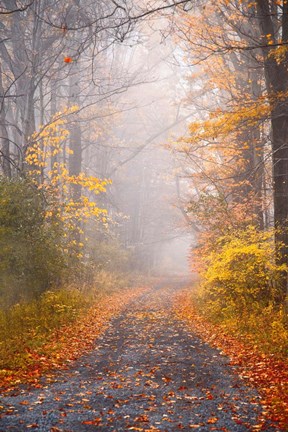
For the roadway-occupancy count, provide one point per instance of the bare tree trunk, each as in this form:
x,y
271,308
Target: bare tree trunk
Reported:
x,y
41,100
75,145
5,147
75,158
257,150
250,177
53,110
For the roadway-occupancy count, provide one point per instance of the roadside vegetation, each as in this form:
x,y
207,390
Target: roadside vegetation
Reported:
x,y
48,289
239,288
90,198
233,159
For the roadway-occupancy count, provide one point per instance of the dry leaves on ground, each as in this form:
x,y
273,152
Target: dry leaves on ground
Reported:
x,y
266,372
70,342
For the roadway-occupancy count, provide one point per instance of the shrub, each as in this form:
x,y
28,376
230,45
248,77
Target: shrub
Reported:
x,y
241,271
31,257
110,256
26,326
240,276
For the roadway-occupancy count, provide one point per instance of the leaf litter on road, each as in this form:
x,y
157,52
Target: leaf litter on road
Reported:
x,y
147,372
265,372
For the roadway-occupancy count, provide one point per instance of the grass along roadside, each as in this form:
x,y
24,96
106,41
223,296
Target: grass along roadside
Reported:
x,y
55,330
268,373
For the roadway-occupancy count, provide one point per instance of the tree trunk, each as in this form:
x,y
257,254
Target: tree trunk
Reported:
x,y
276,76
5,147
75,158
75,145
53,110
280,188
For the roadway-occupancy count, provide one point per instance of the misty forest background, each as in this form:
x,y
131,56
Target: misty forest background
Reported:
x,y
139,140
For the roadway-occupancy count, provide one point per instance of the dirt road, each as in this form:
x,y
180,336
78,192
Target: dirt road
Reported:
x,y
147,372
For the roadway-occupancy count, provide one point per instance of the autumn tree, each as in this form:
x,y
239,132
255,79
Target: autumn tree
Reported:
x,y
226,145
54,57
239,49
272,18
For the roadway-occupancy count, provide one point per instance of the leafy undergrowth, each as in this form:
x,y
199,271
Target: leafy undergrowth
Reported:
x,y
34,355
267,372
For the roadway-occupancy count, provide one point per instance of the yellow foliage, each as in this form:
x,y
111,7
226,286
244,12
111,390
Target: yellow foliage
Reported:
x,y
279,53
241,271
47,143
224,123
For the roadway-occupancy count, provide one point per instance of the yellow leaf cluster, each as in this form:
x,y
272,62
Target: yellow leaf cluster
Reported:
x,y
51,141
279,53
224,123
240,268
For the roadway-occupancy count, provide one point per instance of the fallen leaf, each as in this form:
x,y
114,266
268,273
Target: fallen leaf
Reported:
x,y
212,420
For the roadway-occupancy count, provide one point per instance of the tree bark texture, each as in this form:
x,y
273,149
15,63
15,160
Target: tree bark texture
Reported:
x,y
276,76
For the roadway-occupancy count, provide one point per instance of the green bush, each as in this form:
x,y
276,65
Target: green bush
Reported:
x,y
31,258
110,256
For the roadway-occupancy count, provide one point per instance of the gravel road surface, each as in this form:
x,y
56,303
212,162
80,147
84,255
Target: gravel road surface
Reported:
x,y
147,373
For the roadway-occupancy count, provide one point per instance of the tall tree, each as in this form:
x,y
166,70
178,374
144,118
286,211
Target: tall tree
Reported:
x,y
272,17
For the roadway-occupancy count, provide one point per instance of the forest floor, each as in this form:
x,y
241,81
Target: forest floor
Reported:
x,y
148,372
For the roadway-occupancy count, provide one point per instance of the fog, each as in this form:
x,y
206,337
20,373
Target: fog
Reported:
x,y
144,188
129,88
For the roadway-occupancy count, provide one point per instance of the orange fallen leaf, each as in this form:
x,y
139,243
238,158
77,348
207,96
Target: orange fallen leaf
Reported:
x,y
142,418
95,421
166,379
212,420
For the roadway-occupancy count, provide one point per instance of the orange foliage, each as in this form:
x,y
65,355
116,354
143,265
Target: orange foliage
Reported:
x,y
226,147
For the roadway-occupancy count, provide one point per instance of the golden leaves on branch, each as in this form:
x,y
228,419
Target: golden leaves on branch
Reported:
x,y
46,159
